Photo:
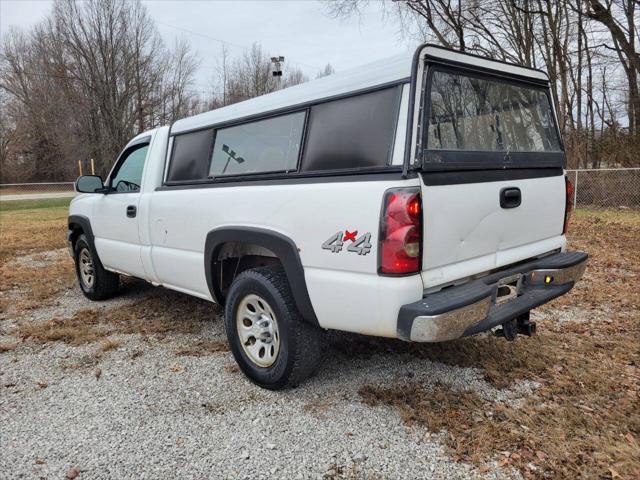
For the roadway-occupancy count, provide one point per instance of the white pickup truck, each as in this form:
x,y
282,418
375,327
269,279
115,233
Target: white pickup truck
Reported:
x,y
420,198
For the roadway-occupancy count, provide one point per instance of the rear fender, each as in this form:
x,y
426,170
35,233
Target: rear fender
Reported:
x,y
282,246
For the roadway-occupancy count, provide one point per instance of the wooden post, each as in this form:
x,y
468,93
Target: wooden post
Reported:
x,y
80,167
93,171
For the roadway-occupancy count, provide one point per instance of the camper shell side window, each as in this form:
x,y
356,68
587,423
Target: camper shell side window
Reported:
x,y
351,133
354,132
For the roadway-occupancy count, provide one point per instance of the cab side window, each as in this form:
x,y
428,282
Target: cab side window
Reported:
x,y
128,175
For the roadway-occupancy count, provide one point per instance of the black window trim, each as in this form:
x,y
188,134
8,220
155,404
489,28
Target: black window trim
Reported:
x,y
131,147
483,159
302,107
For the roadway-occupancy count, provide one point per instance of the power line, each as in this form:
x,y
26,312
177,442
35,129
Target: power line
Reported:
x,y
225,42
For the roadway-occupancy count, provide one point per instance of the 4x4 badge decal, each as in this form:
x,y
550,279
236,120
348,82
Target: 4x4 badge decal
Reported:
x,y
360,245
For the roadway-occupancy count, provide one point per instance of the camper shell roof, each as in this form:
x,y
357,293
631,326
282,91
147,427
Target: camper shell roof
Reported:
x,y
390,71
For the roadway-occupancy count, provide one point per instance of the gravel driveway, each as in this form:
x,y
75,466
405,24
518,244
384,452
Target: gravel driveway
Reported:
x,y
144,410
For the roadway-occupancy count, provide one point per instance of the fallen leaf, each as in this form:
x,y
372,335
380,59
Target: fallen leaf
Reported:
x,y
97,373
73,473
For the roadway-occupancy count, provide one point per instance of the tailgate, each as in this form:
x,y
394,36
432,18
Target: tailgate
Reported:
x,y
467,231
491,161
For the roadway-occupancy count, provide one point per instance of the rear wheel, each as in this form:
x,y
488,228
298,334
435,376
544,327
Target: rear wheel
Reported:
x,y
269,339
95,282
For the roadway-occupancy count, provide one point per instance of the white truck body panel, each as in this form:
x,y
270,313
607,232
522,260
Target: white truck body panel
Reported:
x,y
309,214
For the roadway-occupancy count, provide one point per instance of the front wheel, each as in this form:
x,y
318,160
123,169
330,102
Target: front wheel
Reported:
x,y
269,339
95,282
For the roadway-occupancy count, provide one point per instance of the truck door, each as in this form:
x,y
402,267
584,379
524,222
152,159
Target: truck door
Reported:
x,y
115,215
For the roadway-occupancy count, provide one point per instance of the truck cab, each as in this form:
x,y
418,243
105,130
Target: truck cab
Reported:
x,y
420,198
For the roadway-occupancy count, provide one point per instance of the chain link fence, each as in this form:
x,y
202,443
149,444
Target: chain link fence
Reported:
x,y
606,187
35,191
603,188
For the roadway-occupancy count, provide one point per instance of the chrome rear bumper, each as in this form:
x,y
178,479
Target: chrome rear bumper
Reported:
x,y
490,301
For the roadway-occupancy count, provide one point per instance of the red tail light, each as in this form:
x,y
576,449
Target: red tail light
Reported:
x,y
401,232
568,203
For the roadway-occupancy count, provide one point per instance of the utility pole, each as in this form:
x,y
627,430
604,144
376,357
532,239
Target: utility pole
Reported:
x,y
277,69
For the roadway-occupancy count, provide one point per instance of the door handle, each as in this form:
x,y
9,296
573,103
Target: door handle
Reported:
x,y
510,197
132,211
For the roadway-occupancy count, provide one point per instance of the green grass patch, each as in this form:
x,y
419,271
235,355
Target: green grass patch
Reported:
x,y
45,203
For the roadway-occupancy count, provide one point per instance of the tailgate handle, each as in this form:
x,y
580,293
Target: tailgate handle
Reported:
x,y
510,197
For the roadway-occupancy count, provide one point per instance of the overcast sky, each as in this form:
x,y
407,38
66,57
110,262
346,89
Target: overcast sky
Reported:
x,y
301,30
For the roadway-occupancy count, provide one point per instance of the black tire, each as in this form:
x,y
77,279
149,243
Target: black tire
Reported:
x,y
300,344
104,284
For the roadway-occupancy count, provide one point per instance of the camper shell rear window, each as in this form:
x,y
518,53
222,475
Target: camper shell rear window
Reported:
x,y
476,120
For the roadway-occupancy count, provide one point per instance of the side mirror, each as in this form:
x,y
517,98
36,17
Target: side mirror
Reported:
x,y
90,184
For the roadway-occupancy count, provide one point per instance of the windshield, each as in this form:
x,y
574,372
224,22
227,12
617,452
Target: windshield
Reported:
x,y
476,113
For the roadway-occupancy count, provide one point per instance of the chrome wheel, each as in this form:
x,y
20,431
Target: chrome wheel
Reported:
x,y
85,267
257,328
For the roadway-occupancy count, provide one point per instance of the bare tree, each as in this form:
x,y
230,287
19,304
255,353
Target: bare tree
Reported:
x,y
176,97
88,78
248,76
326,71
295,76
565,37
619,16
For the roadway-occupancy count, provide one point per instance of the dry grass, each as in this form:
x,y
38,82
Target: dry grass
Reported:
x,y
8,346
612,280
318,407
109,344
203,348
83,327
584,420
215,407
27,231
231,368
161,314
26,288
31,230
